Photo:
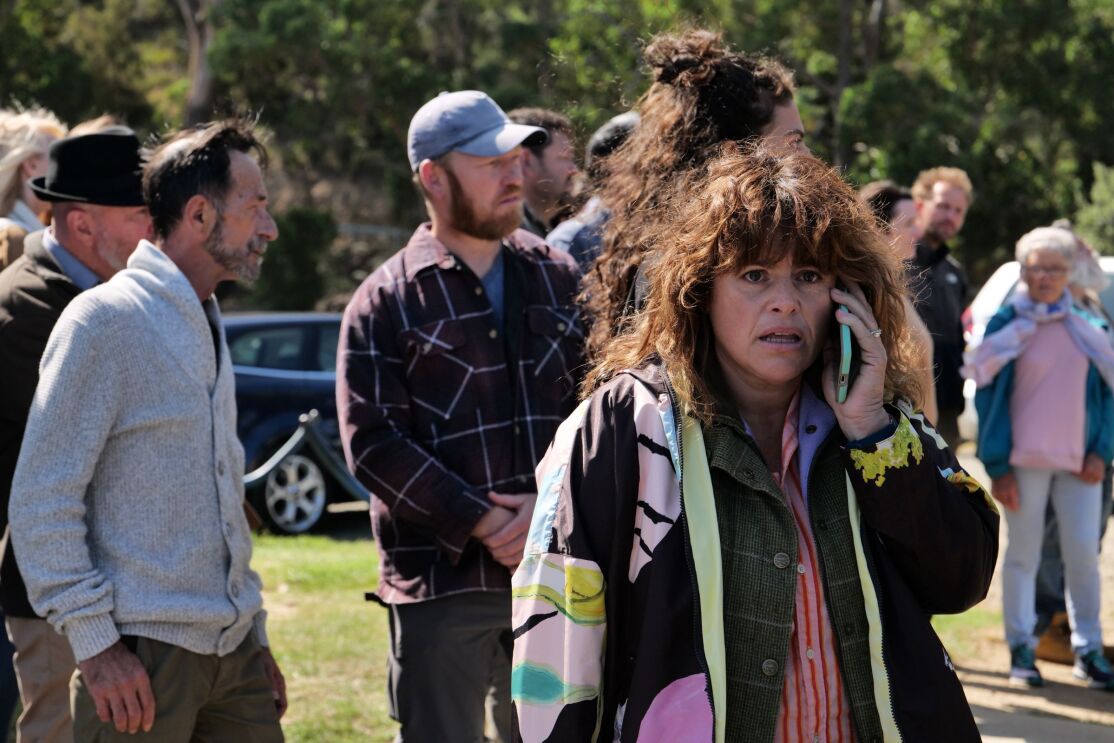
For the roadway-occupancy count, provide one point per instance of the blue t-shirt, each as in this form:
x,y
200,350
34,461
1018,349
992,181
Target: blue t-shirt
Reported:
x,y
493,285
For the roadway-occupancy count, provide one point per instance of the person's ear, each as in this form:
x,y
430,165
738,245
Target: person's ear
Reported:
x,y
199,215
79,224
434,180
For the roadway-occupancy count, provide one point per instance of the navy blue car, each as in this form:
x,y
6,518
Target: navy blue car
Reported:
x,y
285,365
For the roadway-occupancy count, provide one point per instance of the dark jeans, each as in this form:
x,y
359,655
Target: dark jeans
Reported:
x,y
447,656
1050,576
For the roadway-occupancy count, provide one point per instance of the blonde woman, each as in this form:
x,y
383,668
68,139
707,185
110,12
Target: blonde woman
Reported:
x,y
25,137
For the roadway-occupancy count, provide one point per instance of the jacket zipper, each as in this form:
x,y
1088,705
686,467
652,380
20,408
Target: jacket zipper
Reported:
x,y
827,599
697,632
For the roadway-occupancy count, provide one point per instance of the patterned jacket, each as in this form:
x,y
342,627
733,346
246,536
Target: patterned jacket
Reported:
x,y
438,407
617,604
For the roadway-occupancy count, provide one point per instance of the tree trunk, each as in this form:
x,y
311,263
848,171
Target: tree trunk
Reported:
x,y
196,15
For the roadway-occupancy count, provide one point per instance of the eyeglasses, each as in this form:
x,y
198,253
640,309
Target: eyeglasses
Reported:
x,y
1054,271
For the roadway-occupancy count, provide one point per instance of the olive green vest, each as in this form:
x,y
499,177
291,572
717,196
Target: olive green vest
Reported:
x,y
758,543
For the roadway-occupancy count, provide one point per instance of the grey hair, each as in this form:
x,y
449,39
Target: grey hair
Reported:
x,y
1055,239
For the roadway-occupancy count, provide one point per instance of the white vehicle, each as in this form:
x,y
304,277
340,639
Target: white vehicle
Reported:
x,y
998,288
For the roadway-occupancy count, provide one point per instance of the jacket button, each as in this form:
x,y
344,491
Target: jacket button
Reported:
x,y
561,327
492,333
781,561
810,428
220,468
479,290
427,347
769,667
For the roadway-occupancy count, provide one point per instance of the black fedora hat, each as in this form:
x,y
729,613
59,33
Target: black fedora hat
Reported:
x,y
104,168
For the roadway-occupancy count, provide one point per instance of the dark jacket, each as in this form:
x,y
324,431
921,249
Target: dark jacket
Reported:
x,y
617,611
438,406
33,293
939,288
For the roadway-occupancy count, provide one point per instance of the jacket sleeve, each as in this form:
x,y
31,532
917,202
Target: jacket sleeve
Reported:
x,y
571,577
937,522
1100,416
73,412
374,410
992,405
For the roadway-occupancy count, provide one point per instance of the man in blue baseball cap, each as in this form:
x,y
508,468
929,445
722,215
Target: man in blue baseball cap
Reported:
x,y
458,359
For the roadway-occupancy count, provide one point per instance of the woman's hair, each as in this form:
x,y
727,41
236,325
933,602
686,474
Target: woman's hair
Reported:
x,y
882,197
1055,239
702,94
23,134
754,208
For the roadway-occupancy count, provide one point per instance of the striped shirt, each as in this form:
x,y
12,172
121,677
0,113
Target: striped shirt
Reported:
x,y
814,705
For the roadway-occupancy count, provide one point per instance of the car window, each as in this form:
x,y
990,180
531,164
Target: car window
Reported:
x,y
327,338
270,348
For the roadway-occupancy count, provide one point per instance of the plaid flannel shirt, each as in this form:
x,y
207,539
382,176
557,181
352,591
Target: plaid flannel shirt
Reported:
x,y
432,415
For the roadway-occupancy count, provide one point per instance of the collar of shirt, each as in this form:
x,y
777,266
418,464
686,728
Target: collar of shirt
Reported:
x,y
75,270
814,421
23,216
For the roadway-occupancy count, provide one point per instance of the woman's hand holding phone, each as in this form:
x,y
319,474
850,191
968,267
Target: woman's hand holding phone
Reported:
x,y
861,413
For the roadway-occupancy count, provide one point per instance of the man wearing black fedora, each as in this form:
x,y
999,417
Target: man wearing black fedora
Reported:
x,y
95,184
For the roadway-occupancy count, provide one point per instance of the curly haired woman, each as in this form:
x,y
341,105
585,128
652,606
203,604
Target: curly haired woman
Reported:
x,y
703,94
722,551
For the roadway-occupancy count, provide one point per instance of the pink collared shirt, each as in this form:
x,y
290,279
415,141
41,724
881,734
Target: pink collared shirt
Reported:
x,y
814,704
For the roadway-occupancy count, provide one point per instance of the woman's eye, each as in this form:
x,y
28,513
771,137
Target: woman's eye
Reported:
x,y
809,277
753,276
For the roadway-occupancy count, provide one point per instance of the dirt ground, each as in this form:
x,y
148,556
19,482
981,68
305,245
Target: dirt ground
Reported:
x,y
984,667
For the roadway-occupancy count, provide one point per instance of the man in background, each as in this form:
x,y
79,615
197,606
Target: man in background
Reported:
x,y
942,196
99,216
457,361
582,236
548,169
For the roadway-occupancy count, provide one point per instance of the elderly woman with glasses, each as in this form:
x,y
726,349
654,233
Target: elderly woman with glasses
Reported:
x,y
1045,371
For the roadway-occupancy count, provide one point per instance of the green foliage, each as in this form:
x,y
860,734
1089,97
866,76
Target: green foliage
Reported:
x,y
292,277
1014,93
1095,218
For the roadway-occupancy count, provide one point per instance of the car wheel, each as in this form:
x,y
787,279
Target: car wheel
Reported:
x,y
294,495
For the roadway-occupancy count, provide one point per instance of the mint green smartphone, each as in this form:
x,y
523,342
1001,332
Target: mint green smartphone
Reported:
x,y
846,354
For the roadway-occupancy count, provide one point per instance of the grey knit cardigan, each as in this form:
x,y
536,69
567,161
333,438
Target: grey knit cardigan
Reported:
x,y
126,508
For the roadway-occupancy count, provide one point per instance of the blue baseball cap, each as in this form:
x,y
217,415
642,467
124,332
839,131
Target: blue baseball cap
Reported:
x,y
466,121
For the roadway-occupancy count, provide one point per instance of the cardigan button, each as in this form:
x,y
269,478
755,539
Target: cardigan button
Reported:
x,y
781,561
220,468
810,428
769,666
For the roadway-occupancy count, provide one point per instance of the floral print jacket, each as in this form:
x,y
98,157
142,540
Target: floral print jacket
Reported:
x,y
617,605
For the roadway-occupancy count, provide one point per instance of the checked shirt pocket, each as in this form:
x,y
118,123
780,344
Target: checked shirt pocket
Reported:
x,y
555,337
437,369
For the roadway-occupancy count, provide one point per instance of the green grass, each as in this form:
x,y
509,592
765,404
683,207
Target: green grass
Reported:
x,y
962,633
330,643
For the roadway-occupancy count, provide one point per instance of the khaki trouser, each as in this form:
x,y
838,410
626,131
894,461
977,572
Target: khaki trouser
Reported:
x,y
199,698
44,663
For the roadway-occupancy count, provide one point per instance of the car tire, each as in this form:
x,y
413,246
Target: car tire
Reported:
x,y
292,500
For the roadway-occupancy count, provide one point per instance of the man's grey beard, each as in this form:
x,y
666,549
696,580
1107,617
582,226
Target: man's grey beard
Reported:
x,y
238,262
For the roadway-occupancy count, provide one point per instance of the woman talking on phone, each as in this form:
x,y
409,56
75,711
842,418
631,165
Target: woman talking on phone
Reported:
x,y
720,550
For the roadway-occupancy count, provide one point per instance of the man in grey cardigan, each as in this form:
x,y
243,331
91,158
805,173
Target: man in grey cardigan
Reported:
x,y
126,505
